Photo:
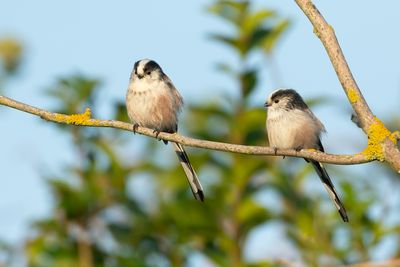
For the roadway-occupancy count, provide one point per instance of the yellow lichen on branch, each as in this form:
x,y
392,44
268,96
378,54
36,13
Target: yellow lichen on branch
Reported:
x,y
396,135
75,119
377,133
353,96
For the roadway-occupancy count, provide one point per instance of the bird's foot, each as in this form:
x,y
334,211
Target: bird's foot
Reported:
x,y
276,151
157,133
135,127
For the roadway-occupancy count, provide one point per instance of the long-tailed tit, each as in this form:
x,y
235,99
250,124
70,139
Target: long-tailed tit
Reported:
x,y
292,125
153,101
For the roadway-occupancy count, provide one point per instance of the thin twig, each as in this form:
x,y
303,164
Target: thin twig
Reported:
x,y
85,120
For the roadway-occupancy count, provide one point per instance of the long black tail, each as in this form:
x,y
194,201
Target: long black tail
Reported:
x,y
191,175
323,175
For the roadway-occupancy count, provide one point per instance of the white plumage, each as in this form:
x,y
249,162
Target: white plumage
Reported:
x,y
292,129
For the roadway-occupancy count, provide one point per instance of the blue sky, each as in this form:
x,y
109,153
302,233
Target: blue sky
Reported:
x,y
103,39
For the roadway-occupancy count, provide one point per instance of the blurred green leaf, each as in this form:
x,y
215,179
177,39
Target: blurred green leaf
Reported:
x,y
248,81
274,35
255,19
231,11
250,214
225,40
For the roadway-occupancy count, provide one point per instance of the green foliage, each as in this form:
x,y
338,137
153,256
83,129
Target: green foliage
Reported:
x,y
252,28
140,212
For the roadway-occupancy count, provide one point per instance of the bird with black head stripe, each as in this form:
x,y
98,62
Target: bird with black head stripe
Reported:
x,y
152,101
292,125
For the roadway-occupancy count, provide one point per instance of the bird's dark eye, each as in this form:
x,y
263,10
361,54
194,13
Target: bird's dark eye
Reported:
x,y
148,73
276,101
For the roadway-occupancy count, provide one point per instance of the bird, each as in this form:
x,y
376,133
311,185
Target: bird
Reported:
x,y
291,124
152,101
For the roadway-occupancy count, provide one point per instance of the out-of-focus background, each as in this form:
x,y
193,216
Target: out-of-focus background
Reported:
x,y
75,196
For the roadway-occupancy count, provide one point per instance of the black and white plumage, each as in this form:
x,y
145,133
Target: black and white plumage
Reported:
x,y
292,125
152,101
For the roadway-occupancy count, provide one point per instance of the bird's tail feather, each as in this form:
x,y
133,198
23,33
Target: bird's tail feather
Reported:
x,y
323,175
191,175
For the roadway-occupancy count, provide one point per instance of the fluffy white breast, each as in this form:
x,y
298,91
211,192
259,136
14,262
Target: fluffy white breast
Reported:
x,y
292,129
153,104
141,98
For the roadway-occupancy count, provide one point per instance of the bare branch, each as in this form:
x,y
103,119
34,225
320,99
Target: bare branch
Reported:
x,y
382,144
86,120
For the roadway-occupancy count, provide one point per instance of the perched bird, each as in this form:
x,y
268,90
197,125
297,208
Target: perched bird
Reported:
x,y
152,101
292,125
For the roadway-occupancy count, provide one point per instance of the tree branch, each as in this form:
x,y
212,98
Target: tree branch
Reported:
x,y
382,144
326,34
86,120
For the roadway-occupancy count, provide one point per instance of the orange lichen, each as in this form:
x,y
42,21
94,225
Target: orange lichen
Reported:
x,y
353,96
377,133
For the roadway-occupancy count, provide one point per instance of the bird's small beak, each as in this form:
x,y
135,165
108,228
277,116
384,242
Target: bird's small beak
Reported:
x,y
267,105
139,76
